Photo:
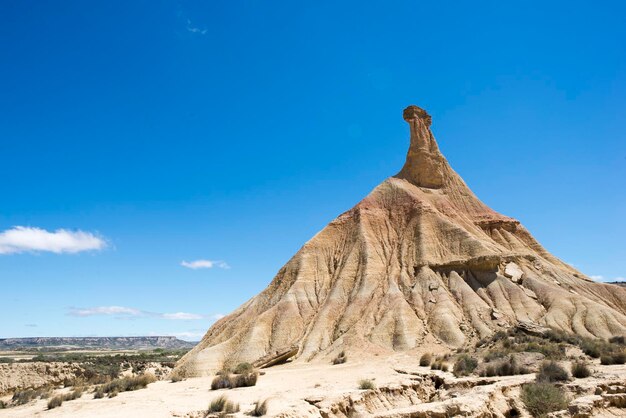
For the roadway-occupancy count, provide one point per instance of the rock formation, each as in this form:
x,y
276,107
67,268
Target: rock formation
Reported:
x,y
420,260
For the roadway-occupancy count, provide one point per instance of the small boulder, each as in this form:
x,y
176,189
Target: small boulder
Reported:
x,y
514,272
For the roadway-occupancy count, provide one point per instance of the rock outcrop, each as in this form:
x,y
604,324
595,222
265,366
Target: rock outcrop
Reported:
x,y
420,260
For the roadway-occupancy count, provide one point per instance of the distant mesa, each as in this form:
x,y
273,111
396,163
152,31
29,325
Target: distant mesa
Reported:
x,y
420,261
119,343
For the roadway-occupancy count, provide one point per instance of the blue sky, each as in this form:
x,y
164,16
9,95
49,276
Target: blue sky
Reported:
x,y
233,131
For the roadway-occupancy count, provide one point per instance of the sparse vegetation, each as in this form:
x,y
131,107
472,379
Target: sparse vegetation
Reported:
x,y
100,369
221,381
124,384
244,380
260,409
618,357
464,365
504,344
551,371
55,402
243,368
426,359
508,367
177,376
612,350
341,358
227,381
223,405
2,405
580,370
23,397
438,364
59,399
366,384
542,398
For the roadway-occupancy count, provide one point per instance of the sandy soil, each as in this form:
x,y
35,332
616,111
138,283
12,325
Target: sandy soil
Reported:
x,y
289,386
285,386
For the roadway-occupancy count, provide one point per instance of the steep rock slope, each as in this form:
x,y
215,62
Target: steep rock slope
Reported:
x,y
420,260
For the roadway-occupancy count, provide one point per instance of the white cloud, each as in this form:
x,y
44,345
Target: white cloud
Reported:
x,y
181,316
126,312
194,29
204,264
603,279
22,239
106,310
188,335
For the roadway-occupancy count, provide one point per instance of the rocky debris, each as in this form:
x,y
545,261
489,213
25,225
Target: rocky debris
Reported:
x,y
591,405
532,328
529,293
584,406
421,258
513,272
278,357
496,314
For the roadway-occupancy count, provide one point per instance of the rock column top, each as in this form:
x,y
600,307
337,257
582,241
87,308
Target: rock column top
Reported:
x,y
413,113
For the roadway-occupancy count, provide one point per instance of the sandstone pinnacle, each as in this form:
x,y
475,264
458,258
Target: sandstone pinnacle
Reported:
x,y
419,261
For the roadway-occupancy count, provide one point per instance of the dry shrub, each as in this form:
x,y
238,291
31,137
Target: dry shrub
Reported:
x,y
426,359
217,404
508,367
124,384
580,370
59,399
542,398
222,404
464,365
244,380
236,381
25,396
55,402
613,358
550,371
366,384
243,368
260,409
221,381
341,358
177,376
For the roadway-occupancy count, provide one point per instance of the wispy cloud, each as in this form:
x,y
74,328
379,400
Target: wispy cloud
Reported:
x,y
106,310
204,264
124,312
181,316
22,239
194,29
601,278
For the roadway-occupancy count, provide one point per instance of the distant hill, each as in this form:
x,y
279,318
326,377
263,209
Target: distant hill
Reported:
x,y
119,343
618,283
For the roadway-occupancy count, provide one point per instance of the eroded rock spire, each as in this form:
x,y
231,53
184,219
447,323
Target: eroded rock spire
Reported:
x,y
424,164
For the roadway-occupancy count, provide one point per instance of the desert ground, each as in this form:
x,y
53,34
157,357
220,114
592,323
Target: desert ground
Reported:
x,y
397,387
